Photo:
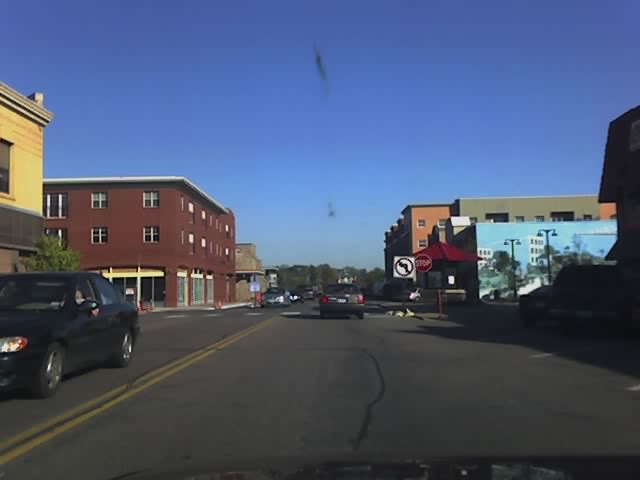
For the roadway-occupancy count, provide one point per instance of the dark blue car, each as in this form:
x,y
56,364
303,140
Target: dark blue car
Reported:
x,y
55,323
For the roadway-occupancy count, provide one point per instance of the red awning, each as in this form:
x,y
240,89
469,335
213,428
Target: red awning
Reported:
x,y
444,251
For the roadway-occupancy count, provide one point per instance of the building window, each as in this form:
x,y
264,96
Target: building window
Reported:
x,y
473,220
211,247
422,243
588,217
497,217
151,199
99,200
211,220
539,218
192,214
99,235
217,250
61,233
226,251
192,242
422,223
442,222
5,167
151,234
55,205
562,216
182,236
204,215
519,218
182,202
203,244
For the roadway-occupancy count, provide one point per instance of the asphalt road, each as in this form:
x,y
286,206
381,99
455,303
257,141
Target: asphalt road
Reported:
x,y
474,383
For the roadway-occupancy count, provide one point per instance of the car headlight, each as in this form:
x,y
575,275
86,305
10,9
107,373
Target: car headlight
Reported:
x,y
280,298
12,344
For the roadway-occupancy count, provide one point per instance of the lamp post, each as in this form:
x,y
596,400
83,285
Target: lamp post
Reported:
x,y
545,232
513,242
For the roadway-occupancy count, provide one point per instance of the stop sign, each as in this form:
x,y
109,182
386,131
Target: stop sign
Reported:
x,y
423,263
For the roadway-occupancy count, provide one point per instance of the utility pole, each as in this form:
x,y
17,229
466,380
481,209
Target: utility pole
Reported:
x,y
513,242
546,232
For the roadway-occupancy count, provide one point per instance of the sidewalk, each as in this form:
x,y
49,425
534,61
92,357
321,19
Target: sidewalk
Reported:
x,y
192,308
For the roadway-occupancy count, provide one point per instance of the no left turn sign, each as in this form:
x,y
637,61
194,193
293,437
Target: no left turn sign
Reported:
x,y
404,267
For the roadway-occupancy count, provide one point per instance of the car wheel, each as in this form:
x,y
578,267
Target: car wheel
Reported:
x,y
124,352
49,374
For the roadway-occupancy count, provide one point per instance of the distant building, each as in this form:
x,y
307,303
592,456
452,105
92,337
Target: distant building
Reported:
x,y
248,269
536,248
423,224
486,254
158,239
22,123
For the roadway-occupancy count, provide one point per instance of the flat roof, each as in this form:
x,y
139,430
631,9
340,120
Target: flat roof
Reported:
x,y
161,179
528,196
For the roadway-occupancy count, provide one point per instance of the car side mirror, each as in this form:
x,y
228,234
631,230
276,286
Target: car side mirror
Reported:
x,y
88,306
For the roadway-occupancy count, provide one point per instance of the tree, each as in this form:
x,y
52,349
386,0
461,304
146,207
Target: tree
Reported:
x,y
502,261
53,256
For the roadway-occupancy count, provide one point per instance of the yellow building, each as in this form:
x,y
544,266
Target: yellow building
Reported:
x,y
22,123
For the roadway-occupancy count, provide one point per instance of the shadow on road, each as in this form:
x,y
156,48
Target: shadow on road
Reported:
x,y
598,345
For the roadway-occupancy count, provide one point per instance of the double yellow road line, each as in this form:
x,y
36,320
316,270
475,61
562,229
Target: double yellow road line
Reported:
x,y
43,432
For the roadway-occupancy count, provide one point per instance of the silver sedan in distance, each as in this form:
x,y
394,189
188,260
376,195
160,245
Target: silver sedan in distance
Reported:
x,y
276,297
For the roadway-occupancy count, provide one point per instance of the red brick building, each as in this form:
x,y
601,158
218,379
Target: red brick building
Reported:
x,y
158,239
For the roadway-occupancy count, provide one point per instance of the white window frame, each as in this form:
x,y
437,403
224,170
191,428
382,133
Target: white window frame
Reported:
x,y
191,238
423,221
422,244
226,228
203,243
203,215
99,200
519,218
182,203
102,234
190,207
226,251
151,231
442,223
48,212
154,200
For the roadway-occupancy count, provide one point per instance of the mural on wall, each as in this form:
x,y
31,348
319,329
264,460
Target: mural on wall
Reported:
x,y
569,242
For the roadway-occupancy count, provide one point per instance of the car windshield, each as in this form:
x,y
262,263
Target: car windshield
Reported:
x,y
32,293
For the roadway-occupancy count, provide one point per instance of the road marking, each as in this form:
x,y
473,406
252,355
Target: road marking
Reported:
x,y
635,388
212,315
47,430
541,355
175,316
254,314
291,313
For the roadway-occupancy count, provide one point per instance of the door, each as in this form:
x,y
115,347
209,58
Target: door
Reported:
x,y
82,333
110,321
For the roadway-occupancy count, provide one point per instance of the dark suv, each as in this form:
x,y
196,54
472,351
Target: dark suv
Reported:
x,y
581,293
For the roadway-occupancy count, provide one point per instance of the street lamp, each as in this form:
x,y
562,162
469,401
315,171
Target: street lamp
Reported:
x,y
545,232
513,242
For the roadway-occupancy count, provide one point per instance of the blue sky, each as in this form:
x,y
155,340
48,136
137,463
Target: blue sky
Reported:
x,y
426,101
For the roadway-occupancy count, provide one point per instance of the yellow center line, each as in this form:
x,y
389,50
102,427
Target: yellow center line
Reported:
x,y
55,426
